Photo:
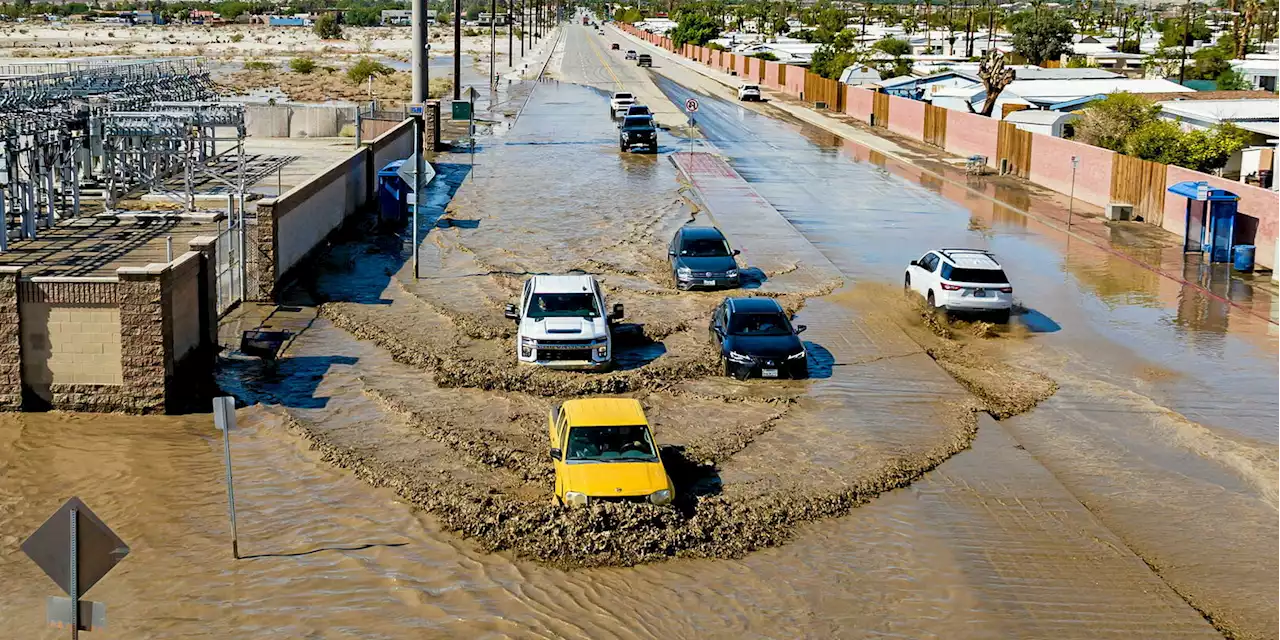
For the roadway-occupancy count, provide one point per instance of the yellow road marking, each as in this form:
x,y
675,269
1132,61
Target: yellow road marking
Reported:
x,y
591,43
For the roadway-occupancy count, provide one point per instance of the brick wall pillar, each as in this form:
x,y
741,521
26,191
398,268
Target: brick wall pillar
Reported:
x,y
431,128
10,340
146,337
207,247
261,279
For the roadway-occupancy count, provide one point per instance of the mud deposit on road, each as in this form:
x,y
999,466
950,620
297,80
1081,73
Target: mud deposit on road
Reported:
x,y
441,412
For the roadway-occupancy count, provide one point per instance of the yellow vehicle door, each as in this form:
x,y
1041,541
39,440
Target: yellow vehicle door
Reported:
x,y
559,435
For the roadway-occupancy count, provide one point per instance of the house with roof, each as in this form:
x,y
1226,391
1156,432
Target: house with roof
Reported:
x,y
1259,70
858,75
921,88
1050,123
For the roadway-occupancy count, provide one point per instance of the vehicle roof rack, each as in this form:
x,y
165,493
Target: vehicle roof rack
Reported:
x,y
945,254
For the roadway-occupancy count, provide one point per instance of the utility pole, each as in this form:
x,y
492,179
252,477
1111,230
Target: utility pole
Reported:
x,y
524,24
420,61
493,52
457,49
968,30
511,28
1186,32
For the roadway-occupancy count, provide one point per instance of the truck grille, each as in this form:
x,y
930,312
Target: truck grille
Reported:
x,y
564,354
566,344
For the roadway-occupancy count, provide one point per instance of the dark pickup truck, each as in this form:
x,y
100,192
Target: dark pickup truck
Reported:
x,y
638,131
644,60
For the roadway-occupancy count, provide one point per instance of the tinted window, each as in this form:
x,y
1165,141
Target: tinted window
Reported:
x,y
759,324
622,96
978,276
610,444
704,248
637,122
563,305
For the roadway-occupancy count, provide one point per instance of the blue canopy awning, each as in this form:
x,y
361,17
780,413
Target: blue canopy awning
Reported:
x,y
1202,191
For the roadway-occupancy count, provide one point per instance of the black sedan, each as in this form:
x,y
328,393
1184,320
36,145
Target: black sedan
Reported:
x,y
755,338
701,257
638,131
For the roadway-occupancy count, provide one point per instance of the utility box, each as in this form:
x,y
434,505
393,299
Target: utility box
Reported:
x,y
1119,211
461,110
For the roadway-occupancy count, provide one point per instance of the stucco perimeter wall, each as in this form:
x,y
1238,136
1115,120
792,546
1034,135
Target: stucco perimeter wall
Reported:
x,y
308,213
1261,204
771,75
795,80
395,144
906,117
857,103
971,134
1051,167
296,121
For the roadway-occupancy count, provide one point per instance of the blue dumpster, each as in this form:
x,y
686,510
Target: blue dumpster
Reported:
x,y
1243,257
392,192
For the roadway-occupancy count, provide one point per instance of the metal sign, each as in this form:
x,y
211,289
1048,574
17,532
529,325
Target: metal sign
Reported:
x,y
92,615
94,550
691,105
410,167
416,109
461,110
224,413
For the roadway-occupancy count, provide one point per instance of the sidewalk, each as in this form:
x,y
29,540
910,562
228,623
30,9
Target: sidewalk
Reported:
x,y
1145,245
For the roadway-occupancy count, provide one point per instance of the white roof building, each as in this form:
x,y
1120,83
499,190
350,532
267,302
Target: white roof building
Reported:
x,y
1259,70
1259,116
1050,123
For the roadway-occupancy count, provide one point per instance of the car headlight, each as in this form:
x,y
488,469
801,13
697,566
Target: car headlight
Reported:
x,y
602,351
684,272
732,273
625,135
797,356
575,499
740,358
661,497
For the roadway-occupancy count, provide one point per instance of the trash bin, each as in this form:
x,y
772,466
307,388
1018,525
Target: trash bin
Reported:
x,y
1243,257
392,192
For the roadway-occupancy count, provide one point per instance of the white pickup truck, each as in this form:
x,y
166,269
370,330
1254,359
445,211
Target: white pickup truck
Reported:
x,y
619,103
563,323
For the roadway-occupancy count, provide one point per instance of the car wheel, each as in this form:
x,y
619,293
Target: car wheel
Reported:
x,y
906,283
802,372
653,148
1001,317
932,305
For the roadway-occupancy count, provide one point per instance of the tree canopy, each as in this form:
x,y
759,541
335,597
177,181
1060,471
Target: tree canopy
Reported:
x,y
1041,36
1132,125
694,28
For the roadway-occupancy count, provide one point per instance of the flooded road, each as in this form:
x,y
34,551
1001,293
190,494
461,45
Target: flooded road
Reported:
x,y
404,389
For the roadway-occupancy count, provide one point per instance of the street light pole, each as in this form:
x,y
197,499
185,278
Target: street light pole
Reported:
x,y
419,51
511,52
493,51
457,50
1071,203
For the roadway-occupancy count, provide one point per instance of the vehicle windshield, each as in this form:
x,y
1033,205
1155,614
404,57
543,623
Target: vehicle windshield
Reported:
x,y
977,276
622,96
638,110
750,87
704,248
638,122
769,323
563,305
610,444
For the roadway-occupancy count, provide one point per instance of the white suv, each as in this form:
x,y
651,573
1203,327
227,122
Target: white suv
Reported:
x,y
961,280
749,92
619,103
562,323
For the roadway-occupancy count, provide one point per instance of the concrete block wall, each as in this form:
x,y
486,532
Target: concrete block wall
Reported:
x,y
971,134
1051,167
857,103
108,344
296,121
291,227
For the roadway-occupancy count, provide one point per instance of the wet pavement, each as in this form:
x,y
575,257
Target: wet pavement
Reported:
x,y
1049,526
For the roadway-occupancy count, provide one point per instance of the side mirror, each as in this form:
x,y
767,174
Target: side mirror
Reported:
x,y
801,328
671,252
737,252
617,312
915,263
556,454
510,312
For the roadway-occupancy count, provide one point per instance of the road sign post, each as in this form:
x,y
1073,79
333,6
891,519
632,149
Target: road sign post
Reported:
x,y
691,107
224,418
76,549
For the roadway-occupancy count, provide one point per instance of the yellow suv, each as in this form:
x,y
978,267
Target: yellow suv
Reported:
x,y
603,450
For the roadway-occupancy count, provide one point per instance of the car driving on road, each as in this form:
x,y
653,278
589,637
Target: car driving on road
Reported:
x,y
602,450
619,103
638,131
630,55
963,280
562,323
644,60
614,47
755,338
638,110
701,257
749,92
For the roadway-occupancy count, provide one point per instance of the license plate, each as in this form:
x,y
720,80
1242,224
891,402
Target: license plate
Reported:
x,y
979,293
768,373
708,283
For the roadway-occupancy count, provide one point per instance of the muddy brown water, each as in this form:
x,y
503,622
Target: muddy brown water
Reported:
x,y
339,558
